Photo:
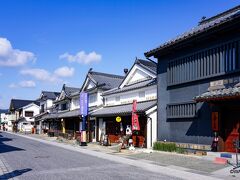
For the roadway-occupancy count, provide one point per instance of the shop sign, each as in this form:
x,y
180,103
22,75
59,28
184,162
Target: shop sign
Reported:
x,y
83,104
135,122
118,119
215,121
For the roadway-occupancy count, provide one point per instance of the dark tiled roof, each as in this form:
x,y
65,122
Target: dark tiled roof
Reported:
x,y
3,111
40,116
219,94
50,116
203,26
19,103
147,64
67,114
50,95
125,109
70,90
104,80
73,113
137,85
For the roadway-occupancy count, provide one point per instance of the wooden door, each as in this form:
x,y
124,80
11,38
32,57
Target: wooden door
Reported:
x,y
232,129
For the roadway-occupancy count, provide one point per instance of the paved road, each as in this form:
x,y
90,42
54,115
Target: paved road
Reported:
x,y
29,159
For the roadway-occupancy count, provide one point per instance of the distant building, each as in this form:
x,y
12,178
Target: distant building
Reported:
x,y
46,106
26,115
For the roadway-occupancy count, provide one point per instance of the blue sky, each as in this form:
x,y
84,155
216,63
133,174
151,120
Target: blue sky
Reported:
x,y
46,43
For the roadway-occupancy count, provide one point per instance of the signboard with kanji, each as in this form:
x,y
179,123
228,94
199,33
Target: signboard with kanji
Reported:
x,y
83,104
135,122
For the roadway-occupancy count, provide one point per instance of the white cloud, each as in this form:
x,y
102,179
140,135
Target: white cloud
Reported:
x,y
81,57
13,57
23,84
40,74
13,85
27,84
46,76
64,72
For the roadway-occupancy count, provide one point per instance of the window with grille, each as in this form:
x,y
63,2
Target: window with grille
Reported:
x,y
182,110
208,63
28,113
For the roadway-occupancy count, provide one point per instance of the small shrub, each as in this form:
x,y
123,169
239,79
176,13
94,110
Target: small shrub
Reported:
x,y
168,147
164,146
180,150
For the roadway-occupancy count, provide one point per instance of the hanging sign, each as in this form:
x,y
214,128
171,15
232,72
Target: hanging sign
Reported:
x,y
83,104
118,119
215,117
135,122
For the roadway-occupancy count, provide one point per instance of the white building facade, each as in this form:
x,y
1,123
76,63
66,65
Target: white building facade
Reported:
x,y
140,85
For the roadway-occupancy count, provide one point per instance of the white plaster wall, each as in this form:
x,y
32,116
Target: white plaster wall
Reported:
x,y
98,99
93,103
151,127
33,108
4,117
90,85
102,128
75,103
49,103
128,97
138,76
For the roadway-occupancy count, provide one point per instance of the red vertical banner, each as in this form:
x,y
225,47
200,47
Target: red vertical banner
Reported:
x,y
215,117
135,122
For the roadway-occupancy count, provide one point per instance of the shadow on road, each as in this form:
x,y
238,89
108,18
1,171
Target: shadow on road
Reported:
x,y
14,173
5,147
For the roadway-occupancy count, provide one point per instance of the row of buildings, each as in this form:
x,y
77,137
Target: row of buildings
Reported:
x,y
110,96
188,96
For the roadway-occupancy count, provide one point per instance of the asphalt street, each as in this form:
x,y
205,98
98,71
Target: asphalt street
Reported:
x,y
30,159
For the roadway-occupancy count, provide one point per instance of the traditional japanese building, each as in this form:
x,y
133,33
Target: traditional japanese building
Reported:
x,y
198,83
21,111
95,84
46,99
139,84
65,117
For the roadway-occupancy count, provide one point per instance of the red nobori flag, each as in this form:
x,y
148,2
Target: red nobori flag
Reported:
x,y
135,122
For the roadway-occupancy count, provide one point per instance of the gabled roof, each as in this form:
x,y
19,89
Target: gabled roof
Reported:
x,y
103,80
70,90
203,26
19,103
49,95
147,65
67,92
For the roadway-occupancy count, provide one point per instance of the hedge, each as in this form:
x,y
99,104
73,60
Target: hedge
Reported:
x,y
167,146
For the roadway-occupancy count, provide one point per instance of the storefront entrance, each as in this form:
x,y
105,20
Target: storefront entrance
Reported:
x,y
113,130
230,128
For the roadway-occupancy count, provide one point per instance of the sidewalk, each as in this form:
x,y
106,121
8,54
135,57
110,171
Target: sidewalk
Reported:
x,y
198,165
5,170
